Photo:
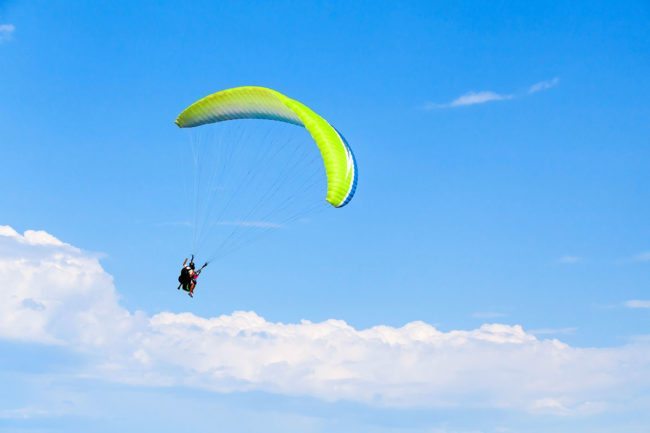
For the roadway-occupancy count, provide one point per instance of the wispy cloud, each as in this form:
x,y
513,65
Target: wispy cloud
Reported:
x,y
6,32
543,85
570,260
637,303
485,96
471,98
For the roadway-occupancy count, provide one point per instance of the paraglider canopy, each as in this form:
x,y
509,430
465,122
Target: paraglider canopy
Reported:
x,y
252,102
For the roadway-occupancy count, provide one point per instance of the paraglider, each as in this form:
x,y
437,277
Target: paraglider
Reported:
x,y
261,103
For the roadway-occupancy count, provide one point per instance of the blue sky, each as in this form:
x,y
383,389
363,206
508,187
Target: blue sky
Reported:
x,y
503,156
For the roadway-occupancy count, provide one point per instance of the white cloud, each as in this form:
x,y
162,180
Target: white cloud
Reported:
x,y
6,32
471,98
474,98
637,303
485,96
54,293
544,85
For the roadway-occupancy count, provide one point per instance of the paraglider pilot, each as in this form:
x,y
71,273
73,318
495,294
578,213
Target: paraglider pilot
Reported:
x,y
189,276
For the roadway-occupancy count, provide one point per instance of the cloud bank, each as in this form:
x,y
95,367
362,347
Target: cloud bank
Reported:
x,y
64,297
485,96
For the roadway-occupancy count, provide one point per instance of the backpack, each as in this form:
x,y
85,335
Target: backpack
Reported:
x,y
184,278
